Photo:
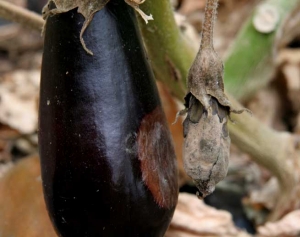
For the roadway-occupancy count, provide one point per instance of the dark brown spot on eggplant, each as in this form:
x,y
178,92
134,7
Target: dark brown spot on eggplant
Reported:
x,y
157,156
93,167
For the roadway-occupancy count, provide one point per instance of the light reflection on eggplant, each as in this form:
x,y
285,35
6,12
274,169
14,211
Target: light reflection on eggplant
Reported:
x,y
107,159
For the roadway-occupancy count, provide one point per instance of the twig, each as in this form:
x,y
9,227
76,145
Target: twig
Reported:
x,y
20,15
276,151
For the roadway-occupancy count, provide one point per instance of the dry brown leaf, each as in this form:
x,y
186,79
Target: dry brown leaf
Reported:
x,y
21,3
18,104
5,147
189,6
193,217
288,226
291,56
290,61
22,208
5,168
243,171
279,200
15,39
267,196
267,107
292,75
297,127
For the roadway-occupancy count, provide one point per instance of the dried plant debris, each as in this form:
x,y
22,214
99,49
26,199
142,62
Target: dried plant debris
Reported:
x,y
22,199
190,6
18,104
4,168
87,8
288,226
206,138
135,4
194,218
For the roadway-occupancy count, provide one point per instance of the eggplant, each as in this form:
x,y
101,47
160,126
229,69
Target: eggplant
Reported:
x,y
107,157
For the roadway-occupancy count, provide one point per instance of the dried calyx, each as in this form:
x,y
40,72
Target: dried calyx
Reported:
x,y
87,8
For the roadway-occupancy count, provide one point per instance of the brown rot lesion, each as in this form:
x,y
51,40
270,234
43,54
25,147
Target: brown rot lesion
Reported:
x,y
157,156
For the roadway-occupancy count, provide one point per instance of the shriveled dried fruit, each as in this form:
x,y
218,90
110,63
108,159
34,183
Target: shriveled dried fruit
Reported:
x,y
206,144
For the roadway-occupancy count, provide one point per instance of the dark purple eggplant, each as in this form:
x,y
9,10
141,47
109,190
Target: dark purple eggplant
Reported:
x,y
107,159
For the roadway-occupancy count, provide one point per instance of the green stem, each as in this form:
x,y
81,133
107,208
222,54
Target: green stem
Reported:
x,y
171,57
249,64
163,40
273,150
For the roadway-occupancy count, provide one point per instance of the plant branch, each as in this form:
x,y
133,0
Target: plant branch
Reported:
x,y
267,147
276,151
10,12
249,64
171,57
170,62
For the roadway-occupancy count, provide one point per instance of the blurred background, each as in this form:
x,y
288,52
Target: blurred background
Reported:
x,y
243,202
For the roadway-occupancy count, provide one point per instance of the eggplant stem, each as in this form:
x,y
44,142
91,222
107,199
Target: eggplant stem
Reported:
x,y
208,24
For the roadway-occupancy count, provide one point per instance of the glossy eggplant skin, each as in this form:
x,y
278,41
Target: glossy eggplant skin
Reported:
x,y
107,159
